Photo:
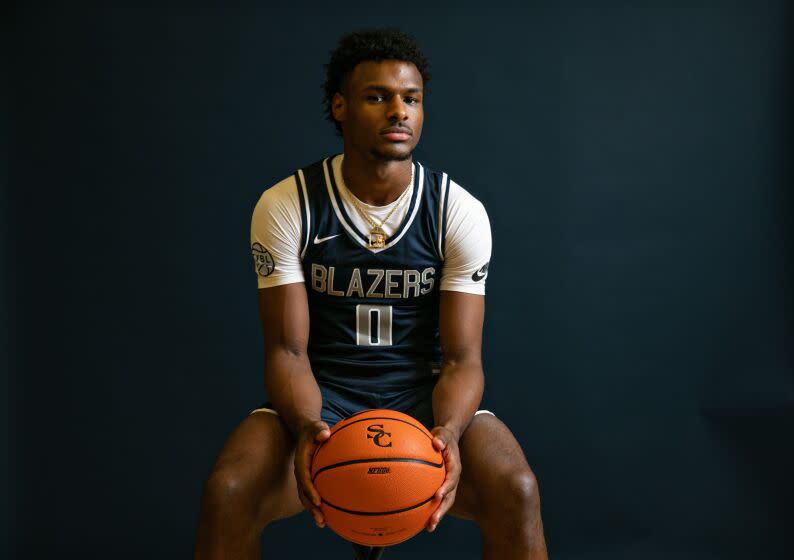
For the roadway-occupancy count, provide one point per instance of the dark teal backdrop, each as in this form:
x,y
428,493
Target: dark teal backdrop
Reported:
x,y
634,158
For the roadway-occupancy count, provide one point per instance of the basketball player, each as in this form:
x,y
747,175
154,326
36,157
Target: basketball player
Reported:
x,y
371,272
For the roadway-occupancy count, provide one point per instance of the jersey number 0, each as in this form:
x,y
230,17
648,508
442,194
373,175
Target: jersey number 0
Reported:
x,y
373,325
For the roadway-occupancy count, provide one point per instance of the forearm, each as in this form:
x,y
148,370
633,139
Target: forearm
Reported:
x,y
457,394
292,387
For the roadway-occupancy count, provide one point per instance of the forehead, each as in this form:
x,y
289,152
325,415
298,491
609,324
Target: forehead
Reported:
x,y
395,74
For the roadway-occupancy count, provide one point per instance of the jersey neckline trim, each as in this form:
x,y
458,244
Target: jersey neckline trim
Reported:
x,y
344,219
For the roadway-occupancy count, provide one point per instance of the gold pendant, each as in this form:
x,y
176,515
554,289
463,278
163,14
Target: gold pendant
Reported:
x,y
377,238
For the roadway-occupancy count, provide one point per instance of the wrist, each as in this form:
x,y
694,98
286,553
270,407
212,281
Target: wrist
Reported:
x,y
300,423
452,431
309,423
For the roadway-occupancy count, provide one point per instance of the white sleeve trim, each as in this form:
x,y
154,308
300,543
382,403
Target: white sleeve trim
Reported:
x,y
307,222
467,244
442,199
276,235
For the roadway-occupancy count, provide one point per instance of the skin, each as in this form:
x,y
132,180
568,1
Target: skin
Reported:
x,y
379,96
262,473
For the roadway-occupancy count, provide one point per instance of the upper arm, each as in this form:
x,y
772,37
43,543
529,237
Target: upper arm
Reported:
x,y
276,244
284,311
276,238
460,326
466,258
467,243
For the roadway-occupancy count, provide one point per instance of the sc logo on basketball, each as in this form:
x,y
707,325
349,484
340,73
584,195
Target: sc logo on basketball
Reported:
x,y
379,433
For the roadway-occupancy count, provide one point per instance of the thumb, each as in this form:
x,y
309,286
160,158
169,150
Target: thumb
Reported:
x,y
321,432
439,439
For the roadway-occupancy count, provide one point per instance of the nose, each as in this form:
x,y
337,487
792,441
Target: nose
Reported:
x,y
397,109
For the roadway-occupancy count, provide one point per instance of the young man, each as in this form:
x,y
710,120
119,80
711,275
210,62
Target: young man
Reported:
x,y
371,272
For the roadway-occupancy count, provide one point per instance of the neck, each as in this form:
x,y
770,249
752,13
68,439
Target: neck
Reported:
x,y
375,182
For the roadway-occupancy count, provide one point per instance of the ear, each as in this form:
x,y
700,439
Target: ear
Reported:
x,y
338,107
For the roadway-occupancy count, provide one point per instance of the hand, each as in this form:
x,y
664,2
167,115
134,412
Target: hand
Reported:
x,y
446,442
310,437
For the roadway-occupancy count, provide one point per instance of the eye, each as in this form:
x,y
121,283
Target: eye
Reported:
x,y
375,98
411,100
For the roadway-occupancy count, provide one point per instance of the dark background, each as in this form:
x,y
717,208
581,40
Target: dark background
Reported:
x,y
634,158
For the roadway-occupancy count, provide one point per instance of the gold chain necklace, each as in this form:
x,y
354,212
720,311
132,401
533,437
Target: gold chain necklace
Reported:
x,y
377,237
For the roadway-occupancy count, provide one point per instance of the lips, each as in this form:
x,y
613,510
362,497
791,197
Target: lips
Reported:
x,y
396,134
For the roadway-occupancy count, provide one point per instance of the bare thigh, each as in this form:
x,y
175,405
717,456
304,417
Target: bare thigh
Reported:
x,y
490,457
255,468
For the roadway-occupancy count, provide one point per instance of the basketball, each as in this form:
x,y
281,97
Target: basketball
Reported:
x,y
377,475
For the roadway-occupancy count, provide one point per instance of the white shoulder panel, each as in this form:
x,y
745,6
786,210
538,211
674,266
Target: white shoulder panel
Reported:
x,y
467,244
276,235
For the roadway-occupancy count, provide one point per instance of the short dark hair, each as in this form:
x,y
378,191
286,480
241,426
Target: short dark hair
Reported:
x,y
369,45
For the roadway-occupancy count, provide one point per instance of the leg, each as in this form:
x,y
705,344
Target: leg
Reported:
x,y
499,492
251,484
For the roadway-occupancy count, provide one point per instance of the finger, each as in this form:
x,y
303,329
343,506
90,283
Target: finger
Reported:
x,y
304,477
322,433
443,508
319,518
441,437
452,463
453,471
446,488
316,513
431,520
307,487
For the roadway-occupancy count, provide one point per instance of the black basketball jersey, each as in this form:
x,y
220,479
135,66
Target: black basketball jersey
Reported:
x,y
373,314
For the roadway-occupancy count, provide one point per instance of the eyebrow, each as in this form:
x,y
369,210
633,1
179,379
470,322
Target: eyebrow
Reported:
x,y
385,89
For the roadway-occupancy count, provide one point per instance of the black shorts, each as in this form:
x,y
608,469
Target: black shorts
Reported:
x,y
341,401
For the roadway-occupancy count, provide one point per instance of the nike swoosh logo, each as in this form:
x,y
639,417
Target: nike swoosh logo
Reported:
x,y
481,273
318,240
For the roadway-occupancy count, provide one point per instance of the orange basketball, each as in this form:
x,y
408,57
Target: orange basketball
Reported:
x,y
377,475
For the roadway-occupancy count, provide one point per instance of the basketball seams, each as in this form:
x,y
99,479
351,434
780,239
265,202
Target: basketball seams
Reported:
x,y
423,430
377,460
415,472
373,513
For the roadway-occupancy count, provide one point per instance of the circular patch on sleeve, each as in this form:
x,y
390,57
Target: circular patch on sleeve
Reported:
x,y
263,260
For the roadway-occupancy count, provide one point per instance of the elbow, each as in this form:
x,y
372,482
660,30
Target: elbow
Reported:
x,y
289,349
294,352
464,359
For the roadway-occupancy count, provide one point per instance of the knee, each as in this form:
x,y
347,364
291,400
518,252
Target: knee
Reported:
x,y
224,489
523,486
518,494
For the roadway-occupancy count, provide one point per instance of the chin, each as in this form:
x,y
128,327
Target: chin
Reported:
x,y
391,155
